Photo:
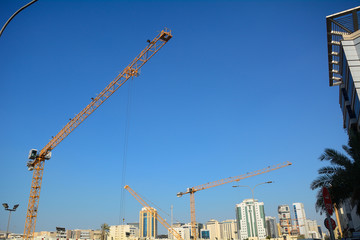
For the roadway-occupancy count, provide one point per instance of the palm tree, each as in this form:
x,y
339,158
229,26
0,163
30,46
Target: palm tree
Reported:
x,y
342,176
105,228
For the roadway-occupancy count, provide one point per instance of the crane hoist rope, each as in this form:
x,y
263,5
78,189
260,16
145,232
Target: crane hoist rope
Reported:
x,y
193,190
37,159
157,207
122,213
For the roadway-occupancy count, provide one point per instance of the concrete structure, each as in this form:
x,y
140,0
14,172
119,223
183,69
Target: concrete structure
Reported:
x,y
343,38
271,227
214,229
313,230
184,231
300,219
83,234
148,223
122,232
285,219
229,230
250,216
87,234
349,220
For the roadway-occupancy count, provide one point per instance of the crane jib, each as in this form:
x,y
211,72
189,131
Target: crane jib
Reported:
x,y
38,160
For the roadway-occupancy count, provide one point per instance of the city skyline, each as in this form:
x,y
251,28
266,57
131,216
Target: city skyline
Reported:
x,y
227,229
178,226
224,97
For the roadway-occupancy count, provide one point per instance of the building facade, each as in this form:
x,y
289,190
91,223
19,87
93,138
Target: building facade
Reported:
x,y
313,230
284,219
204,234
349,220
250,216
122,232
300,219
271,227
148,223
343,37
214,228
229,229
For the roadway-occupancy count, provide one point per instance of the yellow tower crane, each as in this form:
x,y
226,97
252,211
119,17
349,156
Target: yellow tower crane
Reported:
x,y
37,159
150,209
193,190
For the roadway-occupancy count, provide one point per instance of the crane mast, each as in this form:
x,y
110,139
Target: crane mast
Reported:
x,y
37,160
158,217
193,190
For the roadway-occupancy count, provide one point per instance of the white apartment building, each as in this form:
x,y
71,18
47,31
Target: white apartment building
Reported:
x,y
184,231
214,229
229,229
123,232
300,219
250,216
313,230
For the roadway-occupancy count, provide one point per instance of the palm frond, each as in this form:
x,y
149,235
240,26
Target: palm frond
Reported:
x,y
329,170
336,158
320,181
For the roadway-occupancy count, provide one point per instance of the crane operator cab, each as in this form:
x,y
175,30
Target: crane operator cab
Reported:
x,y
33,154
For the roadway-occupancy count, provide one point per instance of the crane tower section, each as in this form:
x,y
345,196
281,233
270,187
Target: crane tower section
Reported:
x,y
37,159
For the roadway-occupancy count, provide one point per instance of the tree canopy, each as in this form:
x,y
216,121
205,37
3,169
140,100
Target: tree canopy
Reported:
x,y
342,177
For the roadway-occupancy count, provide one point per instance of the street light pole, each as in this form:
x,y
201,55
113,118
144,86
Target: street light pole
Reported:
x,y
253,198
6,206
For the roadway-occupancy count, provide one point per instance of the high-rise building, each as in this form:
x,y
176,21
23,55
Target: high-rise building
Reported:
x,y
300,219
285,219
148,222
250,216
343,38
271,227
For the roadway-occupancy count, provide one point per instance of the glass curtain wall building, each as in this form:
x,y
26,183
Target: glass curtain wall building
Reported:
x,y
148,223
343,38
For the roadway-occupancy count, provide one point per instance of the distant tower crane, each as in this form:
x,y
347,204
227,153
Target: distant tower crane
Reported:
x,y
150,209
37,159
193,190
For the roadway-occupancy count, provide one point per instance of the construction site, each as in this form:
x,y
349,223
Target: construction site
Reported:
x,y
200,101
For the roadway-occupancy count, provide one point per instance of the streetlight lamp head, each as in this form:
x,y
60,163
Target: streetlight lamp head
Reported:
x,y
269,182
6,206
15,206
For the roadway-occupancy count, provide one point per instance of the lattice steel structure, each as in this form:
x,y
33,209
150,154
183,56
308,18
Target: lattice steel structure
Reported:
x,y
193,190
38,163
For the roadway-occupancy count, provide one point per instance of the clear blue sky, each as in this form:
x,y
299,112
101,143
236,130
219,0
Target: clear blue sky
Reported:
x,y
241,86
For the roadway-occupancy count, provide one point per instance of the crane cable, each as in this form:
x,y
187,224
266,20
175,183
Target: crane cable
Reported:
x,y
125,148
157,207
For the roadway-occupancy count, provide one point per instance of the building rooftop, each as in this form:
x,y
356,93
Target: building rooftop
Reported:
x,y
338,25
